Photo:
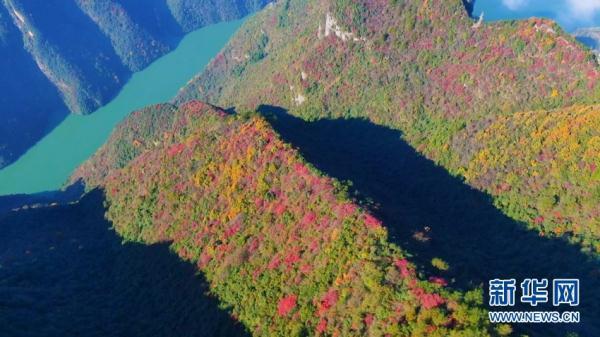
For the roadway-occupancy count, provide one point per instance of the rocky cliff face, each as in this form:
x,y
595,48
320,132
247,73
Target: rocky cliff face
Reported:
x,y
79,53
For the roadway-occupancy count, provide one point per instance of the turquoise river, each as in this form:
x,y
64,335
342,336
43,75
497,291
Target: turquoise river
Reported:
x,y
48,164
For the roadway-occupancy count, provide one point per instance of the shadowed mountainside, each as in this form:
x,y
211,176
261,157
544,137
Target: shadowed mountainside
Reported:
x,y
63,272
432,214
25,92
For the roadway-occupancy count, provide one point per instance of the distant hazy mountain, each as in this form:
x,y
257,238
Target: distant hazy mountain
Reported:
x,y
77,54
590,37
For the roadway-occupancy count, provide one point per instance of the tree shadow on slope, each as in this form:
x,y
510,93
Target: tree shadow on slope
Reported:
x,y
431,214
64,273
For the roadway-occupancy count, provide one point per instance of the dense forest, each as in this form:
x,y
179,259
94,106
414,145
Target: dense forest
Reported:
x,y
447,82
281,244
75,55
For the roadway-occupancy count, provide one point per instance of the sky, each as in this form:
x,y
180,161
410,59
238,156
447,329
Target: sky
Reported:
x,y
571,14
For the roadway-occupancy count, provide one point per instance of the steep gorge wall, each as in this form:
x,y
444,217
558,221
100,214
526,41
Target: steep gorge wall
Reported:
x,y
30,103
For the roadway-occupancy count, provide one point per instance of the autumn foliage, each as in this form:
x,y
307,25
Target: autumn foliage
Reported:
x,y
281,245
449,84
544,168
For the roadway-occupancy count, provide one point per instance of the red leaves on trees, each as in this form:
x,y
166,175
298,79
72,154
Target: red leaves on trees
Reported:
x,y
301,169
438,280
322,326
204,259
279,209
372,222
330,299
428,301
231,231
402,265
286,305
309,218
176,149
539,220
274,263
291,259
369,318
347,210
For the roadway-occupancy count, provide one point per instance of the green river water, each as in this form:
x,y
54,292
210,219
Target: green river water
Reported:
x,y
48,164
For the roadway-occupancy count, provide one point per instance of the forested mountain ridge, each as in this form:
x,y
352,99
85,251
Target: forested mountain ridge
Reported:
x,y
443,79
75,55
280,244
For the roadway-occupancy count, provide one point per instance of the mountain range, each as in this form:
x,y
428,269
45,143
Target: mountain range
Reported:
x,y
508,111
364,168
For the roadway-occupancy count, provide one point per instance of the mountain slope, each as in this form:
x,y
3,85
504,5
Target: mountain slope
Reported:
x,y
86,50
71,52
280,244
191,14
25,117
134,45
547,162
424,68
